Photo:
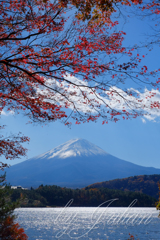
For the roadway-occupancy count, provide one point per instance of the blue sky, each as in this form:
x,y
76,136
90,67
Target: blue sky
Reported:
x,y
135,140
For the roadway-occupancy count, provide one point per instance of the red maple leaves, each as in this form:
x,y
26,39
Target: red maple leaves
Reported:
x,y
11,147
57,55
10,230
37,45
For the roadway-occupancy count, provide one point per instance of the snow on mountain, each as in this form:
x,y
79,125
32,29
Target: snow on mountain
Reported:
x,y
76,163
73,148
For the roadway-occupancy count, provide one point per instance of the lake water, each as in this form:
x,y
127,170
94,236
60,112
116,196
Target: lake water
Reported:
x,y
88,223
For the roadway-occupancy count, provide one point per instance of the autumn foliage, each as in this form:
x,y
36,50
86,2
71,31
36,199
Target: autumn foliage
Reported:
x,y
41,46
96,11
12,231
58,61
11,147
42,53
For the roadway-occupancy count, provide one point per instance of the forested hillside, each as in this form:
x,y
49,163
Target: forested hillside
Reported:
x,y
57,196
147,184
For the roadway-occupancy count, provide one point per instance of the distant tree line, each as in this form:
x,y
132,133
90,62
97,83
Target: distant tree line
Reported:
x,y
89,197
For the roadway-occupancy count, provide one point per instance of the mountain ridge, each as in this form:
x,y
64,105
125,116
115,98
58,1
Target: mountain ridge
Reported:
x,y
147,184
76,164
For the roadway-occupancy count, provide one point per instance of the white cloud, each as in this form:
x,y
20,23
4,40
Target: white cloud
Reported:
x,y
148,102
4,113
143,120
85,99
151,117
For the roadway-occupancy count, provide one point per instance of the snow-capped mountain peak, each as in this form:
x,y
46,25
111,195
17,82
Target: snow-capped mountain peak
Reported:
x,y
76,163
73,148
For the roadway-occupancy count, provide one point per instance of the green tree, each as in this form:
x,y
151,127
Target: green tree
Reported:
x,y
9,230
158,204
6,205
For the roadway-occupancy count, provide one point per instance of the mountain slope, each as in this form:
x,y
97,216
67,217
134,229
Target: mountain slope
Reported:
x,y
76,163
147,184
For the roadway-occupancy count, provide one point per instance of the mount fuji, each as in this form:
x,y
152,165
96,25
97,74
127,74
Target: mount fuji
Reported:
x,y
76,164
